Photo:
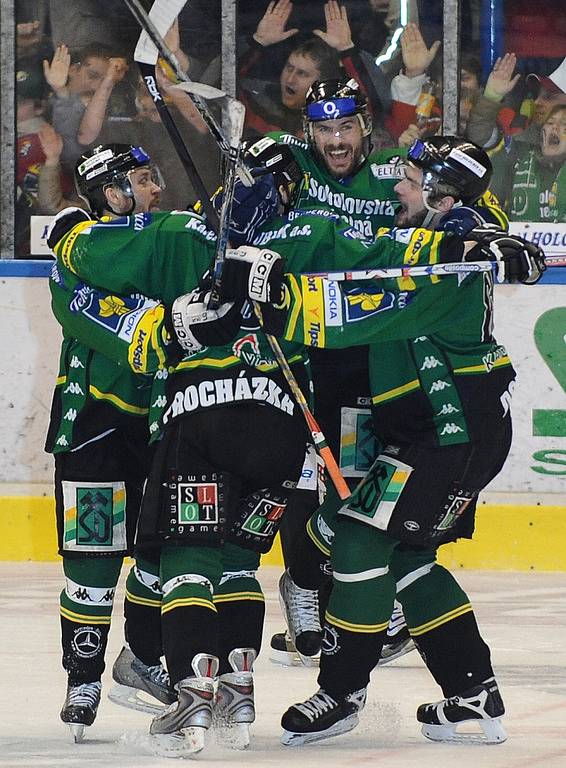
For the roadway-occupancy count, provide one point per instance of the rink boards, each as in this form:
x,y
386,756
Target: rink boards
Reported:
x,y
521,517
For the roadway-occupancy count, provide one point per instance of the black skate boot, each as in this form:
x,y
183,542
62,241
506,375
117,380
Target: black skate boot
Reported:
x,y
180,730
283,652
234,708
80,707
321,717
482,705
134,680
301,611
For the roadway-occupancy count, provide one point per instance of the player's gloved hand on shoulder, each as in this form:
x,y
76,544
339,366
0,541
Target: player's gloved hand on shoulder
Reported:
x,y
252,273
196,326
252,206
518,260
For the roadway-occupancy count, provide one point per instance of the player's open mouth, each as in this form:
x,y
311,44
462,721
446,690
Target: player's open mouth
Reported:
x,y
338,155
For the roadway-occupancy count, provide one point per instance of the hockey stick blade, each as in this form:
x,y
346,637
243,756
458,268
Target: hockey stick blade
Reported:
x,y
201,89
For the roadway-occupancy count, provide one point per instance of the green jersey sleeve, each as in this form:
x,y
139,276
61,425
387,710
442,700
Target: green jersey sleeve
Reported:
x,y
161,255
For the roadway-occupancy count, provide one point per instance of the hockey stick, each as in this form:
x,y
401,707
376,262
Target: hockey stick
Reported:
x,y
453,268
151,42
317,435
146,57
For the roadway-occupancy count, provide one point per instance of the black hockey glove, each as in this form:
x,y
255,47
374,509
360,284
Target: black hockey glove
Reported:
x,y
195,326
518,260
63,222
252,273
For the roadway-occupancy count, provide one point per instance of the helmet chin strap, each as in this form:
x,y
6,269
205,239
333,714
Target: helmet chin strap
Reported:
x,y
430,210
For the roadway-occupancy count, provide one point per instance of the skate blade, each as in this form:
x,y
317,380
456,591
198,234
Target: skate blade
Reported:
x,y
396,652
77,732
187,741
292,659
234,736
490,732
294,739
133,698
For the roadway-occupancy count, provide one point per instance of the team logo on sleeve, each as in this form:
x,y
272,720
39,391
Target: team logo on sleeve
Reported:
x,y
118,314
360,303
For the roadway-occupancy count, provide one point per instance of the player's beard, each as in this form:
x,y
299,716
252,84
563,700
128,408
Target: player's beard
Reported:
x,y
402,218
347,167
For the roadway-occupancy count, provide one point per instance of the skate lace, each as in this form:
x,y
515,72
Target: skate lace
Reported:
x,y
303,607
318,704
84,695
159,675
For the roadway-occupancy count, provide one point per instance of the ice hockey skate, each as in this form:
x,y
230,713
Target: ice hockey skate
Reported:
x,y
449,719
146,689
283,651
180,729
301,611
80,707
321,717
234,708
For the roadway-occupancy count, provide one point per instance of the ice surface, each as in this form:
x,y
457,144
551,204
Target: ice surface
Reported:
x,y
522,616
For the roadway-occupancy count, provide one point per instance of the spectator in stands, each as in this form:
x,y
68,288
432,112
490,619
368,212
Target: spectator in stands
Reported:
x,y
278,106
56,189
530,179
74,85
146,130
494,121
405,122
31,91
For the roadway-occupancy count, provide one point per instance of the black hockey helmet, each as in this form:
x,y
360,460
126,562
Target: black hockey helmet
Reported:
x,y
266,155
105,165
452,161
333,99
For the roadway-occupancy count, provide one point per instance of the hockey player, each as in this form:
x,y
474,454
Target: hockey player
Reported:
x,y
225,483
343,175
440,402
99,436
212,423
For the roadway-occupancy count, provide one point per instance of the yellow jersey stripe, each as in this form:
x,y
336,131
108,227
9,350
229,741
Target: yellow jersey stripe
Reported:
x,y
481,367
147,601
315,540
233,596
396,391
186,602
440,620
83,618
122,404
365,629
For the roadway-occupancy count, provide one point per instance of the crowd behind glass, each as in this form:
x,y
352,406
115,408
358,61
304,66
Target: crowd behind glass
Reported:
x,y
77,86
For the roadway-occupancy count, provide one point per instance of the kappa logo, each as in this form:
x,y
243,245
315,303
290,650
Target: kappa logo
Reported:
x,y
438,386
159,402
73,388
451,429
75,362
71,414
447,409
62,441
431,362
